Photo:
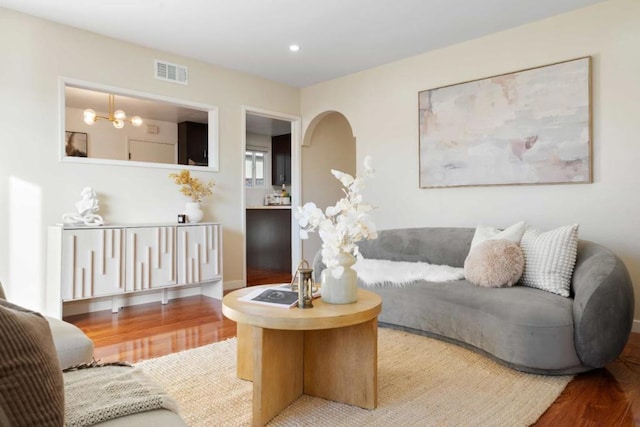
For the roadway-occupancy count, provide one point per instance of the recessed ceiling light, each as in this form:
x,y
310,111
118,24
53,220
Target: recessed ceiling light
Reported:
x,y
294,48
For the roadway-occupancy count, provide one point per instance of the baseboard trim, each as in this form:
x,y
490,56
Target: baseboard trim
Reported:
x,y
106,303
210,289
233,284
636,327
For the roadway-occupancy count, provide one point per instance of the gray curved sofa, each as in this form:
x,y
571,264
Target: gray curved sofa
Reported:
x,y
524,328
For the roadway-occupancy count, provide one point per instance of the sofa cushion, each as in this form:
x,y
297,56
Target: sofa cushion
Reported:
x,y
517,325
494,264
441,246
31,385
550,258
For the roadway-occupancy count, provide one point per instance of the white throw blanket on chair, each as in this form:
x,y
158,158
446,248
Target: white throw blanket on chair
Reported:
x,y
398,273
98,394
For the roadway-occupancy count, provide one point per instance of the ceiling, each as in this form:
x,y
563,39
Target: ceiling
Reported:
x,y
336,37
267,126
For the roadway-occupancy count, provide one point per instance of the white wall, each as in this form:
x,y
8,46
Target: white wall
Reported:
x,y
381,106
36,188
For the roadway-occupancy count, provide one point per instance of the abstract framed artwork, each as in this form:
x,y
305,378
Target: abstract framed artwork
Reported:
x,y
75,144
527,127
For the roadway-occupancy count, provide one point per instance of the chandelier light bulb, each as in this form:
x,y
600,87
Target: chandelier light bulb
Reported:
x,y
89,116
119,115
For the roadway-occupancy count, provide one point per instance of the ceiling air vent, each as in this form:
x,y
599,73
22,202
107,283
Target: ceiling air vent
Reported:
x,y
171,72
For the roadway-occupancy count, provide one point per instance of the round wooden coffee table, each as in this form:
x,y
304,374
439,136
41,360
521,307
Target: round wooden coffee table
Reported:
x,y
328,351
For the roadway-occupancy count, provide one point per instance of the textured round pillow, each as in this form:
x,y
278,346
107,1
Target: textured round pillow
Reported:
x,y
494,264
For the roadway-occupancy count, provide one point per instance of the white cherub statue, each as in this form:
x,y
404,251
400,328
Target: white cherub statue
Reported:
x,y
87,208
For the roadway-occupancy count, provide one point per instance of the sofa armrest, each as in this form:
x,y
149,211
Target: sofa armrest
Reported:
x,y
603,305
72,345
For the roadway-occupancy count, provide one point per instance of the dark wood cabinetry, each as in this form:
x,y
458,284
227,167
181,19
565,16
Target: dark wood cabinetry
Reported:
x,y
193,143
269,239
281,160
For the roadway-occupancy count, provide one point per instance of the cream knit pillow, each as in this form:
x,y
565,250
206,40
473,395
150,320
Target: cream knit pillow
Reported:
x,y
549,258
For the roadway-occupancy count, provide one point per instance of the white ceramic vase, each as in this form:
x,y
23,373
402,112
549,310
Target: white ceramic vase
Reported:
x,y
193,212
343,290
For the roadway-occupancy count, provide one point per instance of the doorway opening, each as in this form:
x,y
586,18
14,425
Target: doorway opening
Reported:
x,y
271,188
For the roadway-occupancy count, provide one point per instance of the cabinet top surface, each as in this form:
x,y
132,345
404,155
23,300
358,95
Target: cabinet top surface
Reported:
x,y
140,225
269,207
321,316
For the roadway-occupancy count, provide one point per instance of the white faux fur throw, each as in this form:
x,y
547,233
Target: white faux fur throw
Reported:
x,y
398,273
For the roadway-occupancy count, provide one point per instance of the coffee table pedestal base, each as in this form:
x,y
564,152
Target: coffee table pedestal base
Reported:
x,y
338,364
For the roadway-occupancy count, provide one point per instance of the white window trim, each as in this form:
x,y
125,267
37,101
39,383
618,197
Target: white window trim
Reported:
x,y
267,167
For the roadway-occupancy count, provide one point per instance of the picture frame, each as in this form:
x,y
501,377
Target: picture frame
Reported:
x,y
532,126
75,144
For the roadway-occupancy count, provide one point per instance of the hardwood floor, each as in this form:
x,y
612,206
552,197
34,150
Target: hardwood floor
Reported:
x,y
264,277
605,397
150,330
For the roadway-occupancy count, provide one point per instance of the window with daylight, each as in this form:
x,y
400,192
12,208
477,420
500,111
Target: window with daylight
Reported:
x,y
254,168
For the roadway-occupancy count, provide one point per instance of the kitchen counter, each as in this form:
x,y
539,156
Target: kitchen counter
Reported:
x,y
270,207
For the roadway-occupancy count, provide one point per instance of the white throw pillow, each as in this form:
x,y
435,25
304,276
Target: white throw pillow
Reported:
x,y
549,258
485,232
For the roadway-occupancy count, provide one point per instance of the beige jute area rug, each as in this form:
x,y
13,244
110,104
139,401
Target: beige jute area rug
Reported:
x,y
421,382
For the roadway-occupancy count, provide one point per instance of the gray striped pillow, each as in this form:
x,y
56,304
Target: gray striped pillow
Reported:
x,y
31,385
549,258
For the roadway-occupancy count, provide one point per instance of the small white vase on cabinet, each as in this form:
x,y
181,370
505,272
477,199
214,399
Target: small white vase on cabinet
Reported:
x,y
343,290
193,212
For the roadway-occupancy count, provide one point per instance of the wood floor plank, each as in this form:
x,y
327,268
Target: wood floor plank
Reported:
x,y
257,276
604,397
152,330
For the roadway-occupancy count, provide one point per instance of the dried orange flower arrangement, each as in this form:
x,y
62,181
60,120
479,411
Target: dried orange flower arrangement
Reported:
x,y
192,187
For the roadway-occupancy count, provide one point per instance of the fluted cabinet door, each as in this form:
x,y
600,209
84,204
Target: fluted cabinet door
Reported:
x,y
92,263
198,257
150,258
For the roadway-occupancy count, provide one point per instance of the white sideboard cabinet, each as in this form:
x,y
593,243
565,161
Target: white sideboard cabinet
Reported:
x,y
88,262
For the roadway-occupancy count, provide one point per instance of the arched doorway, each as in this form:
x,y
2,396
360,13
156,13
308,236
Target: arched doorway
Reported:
x,y
328,144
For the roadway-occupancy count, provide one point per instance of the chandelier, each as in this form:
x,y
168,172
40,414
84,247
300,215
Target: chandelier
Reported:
x,y
117,117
